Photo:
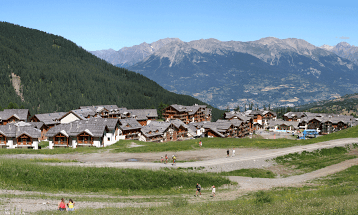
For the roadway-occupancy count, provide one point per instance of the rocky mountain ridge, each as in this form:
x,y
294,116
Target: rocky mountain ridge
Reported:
x,y
345,50
267,71
128,56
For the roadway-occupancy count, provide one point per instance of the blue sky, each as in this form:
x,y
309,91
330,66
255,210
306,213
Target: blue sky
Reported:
x,y
105,24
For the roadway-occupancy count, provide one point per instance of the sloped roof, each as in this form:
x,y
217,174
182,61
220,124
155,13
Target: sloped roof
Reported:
x,y
143,114
21,114
29,131
154,128
50,118
110,123
129,124
77,127
8,130
190,109
235,114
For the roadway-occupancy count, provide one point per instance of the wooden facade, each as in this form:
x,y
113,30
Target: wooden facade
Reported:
x,y
24,140
60,140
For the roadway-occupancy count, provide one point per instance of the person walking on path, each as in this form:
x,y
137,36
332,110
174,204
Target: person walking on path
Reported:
x,y
166,158
174,159
70,205
213,191
162,159
62,205
233,152
228,152
198,189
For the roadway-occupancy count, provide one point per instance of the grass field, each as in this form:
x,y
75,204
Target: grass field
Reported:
x,y
310,161
20,175
337,194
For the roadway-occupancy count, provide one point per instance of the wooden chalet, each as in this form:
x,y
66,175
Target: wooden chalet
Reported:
x,y
293,116
49,120
130,128
77,134
143,116
15,136
187,114
14,115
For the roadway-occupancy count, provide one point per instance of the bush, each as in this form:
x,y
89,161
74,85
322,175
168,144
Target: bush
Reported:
x,y
179,202
262,197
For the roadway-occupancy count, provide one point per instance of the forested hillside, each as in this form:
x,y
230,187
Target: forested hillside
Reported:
x,y
46,73
347,105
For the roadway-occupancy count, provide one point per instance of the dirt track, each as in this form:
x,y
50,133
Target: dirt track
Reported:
x,y
245,158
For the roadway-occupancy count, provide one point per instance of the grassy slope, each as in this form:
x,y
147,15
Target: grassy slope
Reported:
x,y
337,194
22,175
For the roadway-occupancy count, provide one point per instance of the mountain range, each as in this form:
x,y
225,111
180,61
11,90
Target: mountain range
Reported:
x,y
269,71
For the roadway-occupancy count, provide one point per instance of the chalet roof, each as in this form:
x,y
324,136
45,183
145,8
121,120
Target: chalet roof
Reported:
x,y
29,131
190,109
8,130
37,125
292,114
143,114
84,113
50,118
258,112
237,115
217,132
75,128
282,122
129,124
20,114
155,128
110,123
111,108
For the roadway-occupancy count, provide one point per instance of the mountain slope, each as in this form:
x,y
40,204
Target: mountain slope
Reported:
x,y
268,71
344,50
128,56
46,73
347,104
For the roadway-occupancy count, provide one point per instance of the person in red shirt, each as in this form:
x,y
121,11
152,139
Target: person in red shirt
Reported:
x,y
62,205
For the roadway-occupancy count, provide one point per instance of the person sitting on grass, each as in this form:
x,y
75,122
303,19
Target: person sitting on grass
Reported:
x,y
70,205
62,205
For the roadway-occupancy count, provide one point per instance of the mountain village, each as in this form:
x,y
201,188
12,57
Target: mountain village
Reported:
x,y
104,125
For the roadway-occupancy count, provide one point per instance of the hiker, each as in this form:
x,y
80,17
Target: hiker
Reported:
x,y
174,159
228,152
162,159
166,158
70,205
62,205
213,191
200,143
198,189
233,152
